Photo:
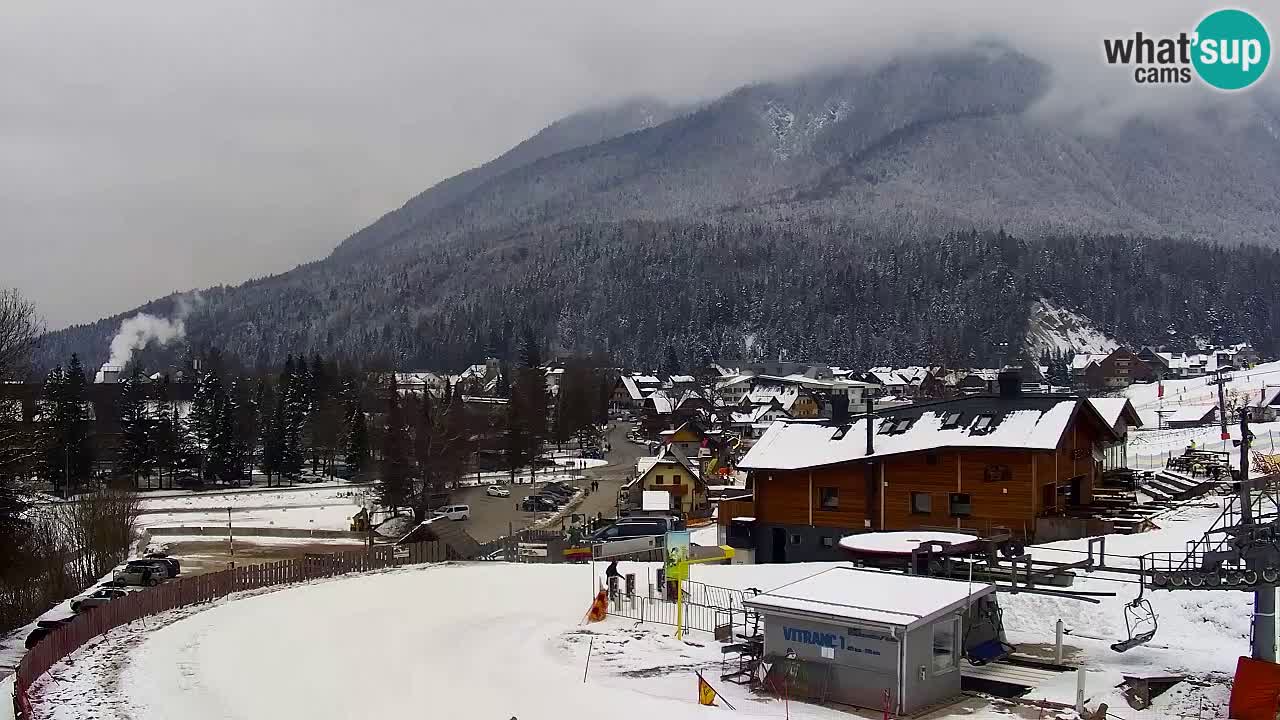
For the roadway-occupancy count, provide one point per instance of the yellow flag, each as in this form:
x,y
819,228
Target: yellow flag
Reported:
x,y
706,693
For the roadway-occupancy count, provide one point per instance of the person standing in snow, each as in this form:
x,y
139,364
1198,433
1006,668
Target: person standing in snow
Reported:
x,y
612,572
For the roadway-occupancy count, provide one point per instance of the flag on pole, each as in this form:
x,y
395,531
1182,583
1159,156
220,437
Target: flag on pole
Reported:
x,y
707,695
1160,389
599,607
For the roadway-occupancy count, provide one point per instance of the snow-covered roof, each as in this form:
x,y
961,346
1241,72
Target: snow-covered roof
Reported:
x,y
886,377
668,457
1029,422
1083,360
633,390
1193,413
1111,409
846,594
1270,396
682,378
750,416
730,380
644,463
900,542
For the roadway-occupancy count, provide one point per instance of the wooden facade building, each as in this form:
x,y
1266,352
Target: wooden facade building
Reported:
x,y
985,463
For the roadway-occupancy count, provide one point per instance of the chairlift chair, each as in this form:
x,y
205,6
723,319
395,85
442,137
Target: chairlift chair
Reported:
x,y
1140,623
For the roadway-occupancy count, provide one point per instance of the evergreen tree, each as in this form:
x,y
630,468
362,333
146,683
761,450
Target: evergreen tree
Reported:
x,y
272,428
297,400
394,482
356,451
516,439
671,365
68,457
137,448
166,432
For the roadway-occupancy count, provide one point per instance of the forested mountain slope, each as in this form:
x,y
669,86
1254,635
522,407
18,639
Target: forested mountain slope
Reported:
x,y
827,216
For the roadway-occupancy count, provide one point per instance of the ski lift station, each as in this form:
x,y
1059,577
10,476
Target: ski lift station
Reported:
x,y
874,639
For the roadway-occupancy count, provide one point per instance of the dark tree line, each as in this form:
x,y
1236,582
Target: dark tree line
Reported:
x,y
49,550
650,294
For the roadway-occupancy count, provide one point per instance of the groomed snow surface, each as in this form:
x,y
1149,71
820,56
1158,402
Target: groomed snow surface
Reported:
x,y
496,640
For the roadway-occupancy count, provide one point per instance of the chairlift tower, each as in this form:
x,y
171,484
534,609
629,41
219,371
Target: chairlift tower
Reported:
x,y
1241,551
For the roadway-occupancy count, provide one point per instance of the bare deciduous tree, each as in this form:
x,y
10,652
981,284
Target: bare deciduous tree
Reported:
x,y
20,328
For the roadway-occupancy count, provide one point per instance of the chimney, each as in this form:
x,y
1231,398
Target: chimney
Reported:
x,y
871,433
839,408
1010,381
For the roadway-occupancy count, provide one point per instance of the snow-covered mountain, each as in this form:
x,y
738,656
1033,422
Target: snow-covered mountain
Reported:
x,y
817,215
1054,329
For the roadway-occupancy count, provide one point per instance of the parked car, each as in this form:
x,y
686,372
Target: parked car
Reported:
x,y
139,575
42,629
539,503
454,512
667,523
626,529
497,491
166,567
101,597
555,488
556,494
175,567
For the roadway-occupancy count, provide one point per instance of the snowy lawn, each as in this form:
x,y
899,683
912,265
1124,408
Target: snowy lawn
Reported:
x,y
495,640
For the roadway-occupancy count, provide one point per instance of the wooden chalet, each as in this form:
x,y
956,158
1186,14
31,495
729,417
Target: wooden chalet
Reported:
x,y
987,463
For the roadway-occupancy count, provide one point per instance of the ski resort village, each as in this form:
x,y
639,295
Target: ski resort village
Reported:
x,y
1091,536
667,360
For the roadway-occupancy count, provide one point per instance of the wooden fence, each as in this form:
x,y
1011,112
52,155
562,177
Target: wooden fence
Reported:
x,y
198,589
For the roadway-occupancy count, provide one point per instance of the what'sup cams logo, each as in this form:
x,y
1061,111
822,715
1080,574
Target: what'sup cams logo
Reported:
x,y
1228,50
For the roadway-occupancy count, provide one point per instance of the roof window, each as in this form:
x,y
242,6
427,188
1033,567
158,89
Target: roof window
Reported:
x,y
952,419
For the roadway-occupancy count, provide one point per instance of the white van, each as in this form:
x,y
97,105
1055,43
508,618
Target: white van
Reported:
x,y
454,512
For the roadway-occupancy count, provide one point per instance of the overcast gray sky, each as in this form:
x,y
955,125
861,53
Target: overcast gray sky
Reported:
x,y
148,147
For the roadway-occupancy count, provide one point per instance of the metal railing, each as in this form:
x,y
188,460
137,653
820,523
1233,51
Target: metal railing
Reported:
x,y
707,608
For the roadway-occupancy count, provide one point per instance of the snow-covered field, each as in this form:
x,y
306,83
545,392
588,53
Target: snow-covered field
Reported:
x,y
495,640
326,508
1150,447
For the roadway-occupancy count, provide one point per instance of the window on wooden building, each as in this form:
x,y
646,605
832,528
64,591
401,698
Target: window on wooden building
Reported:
x,y
658,481
796,539
960,505
829,498
828,542
921,503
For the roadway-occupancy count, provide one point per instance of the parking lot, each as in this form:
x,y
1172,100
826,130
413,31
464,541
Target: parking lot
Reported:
x,y
494,517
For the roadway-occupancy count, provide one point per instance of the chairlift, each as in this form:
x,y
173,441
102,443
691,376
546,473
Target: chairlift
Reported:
x,y
1140,623
986,620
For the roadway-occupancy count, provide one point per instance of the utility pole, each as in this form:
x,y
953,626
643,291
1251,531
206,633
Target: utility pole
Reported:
x,y
1222,408
1264,597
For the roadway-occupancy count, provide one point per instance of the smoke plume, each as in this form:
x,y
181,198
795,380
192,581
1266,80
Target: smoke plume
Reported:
x,y
136,332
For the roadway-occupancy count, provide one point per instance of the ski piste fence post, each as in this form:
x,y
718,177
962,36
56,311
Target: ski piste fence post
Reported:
x,y
197,590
